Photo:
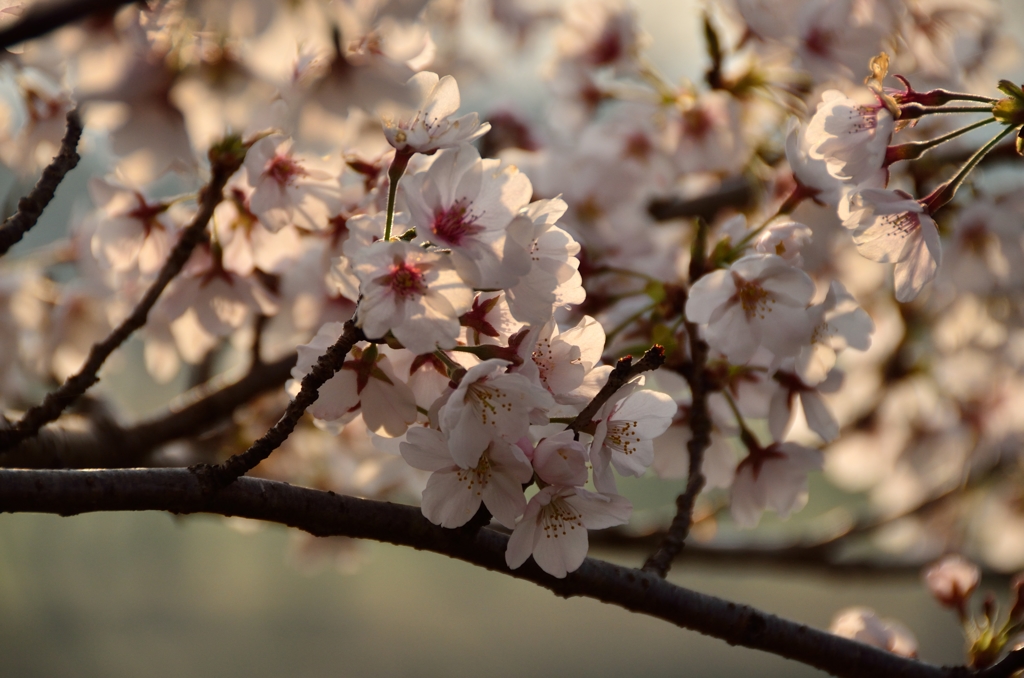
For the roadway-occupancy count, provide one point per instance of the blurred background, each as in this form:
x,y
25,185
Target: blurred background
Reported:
x,y
154,595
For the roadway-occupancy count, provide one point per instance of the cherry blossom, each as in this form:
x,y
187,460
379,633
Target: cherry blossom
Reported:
x,y
952,580
458,201
759,300
774,477
454,493
625,433
431,126
851,138
366,384
130,230
287,190
554,528
489,405
561,460
415,294
889,226
862,624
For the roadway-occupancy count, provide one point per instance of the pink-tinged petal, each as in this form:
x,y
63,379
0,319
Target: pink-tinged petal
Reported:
x,y
336,397
562,549
601,511
921,264
426,449
388,407
707,294
503,496
780,414
524,537
819,418
730,333
449,500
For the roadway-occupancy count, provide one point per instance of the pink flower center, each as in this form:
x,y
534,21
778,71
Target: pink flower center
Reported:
x,y
453,225
406,280
283,169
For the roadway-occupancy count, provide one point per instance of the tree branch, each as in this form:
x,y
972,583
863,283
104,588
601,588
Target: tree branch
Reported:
x,y
735,192
55,402
700,420
32,205
217,476
96,440
327,514
623,371
44,17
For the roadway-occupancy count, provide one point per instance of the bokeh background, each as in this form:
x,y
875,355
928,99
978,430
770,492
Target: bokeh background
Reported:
x,y
155,595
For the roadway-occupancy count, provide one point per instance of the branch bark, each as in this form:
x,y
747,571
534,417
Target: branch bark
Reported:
x,y
31,207
623,371
327,514
44,17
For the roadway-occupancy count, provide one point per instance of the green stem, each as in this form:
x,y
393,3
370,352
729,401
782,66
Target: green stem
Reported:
x,y
945,192
915,149
395,172
913,111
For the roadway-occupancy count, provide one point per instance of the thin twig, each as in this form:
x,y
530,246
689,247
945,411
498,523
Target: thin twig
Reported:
x,y
327,514
218,476
44,17
32,205
660,561
57,401
623,371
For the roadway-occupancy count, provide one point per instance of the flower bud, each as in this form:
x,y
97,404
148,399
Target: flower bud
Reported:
x,y
952,580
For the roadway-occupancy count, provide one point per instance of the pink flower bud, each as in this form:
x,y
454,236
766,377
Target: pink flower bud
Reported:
x,y
952,580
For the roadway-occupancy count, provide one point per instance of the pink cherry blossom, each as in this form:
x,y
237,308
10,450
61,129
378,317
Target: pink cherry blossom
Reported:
x,y
366,384
415,294
554,528
130,230
863,625
431,127
625,433
760,300
458,201
561,460
490,405
891,227
454,493
952,580
851,138
774,477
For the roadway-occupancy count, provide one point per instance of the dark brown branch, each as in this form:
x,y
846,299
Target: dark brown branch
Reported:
x,y
700,421
623,371
32,205
226,163
44,17
736,193
218,476
93,440
326,514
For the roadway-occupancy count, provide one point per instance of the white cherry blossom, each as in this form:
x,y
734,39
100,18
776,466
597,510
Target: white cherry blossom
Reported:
x,y
863,625
561,460
287,190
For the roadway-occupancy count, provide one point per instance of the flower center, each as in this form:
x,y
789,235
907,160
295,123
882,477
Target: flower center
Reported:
x,y
902,224
754,299
283,169
622,436
406,280
559,515
453,225
476,479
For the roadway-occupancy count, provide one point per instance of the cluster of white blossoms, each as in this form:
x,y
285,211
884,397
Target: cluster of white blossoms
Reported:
x,y
497,263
